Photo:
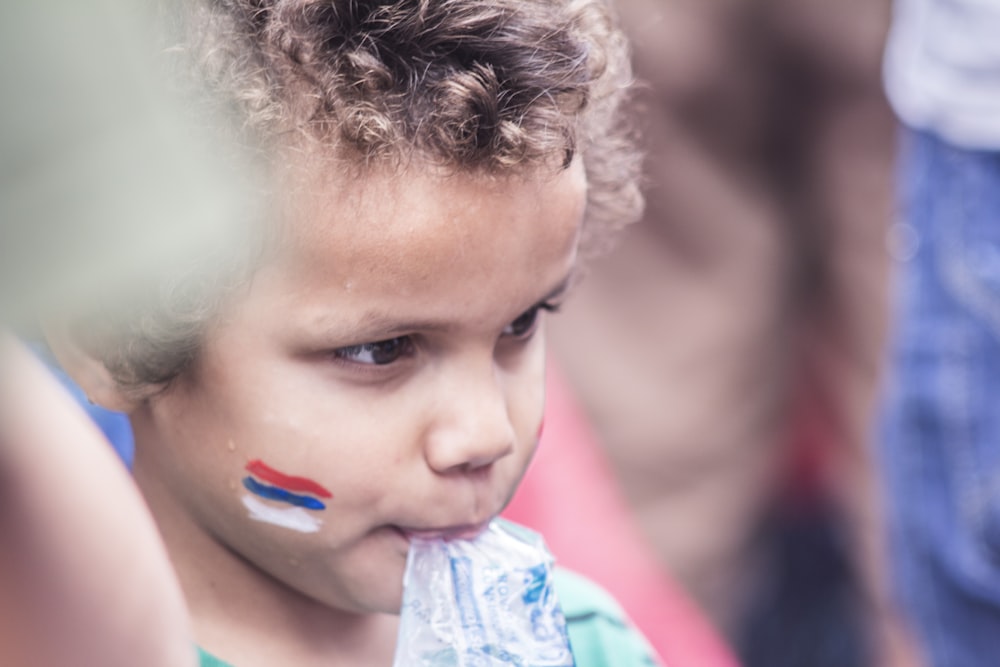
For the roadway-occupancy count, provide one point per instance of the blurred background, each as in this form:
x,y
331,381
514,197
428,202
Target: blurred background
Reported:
x,y
727,351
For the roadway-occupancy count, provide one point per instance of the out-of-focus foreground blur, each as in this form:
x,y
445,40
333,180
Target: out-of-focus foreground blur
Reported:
x,y
102,183
103,187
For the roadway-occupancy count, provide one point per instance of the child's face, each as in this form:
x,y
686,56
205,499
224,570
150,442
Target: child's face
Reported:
x,y
393,356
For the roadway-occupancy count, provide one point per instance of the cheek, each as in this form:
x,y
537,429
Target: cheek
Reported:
x,y
355,451
291,501
526,400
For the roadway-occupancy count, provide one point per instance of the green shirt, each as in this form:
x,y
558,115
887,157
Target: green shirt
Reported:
x,y
599,633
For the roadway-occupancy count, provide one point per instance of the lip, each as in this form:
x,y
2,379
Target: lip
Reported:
x,y
467,531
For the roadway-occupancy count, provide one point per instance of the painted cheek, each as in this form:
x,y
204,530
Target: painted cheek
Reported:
x,y
272,476
283,500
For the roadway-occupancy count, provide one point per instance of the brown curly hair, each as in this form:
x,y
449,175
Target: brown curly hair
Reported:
x,y
495,86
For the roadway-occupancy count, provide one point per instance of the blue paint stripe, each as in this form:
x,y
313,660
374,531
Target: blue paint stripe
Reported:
x,y
279,494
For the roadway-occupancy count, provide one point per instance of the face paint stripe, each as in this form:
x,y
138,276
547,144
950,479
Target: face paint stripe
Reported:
x,y
292,483
274,493
293,518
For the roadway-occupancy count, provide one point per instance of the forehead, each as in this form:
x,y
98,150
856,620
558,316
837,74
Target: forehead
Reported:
x,y
376,208
406,233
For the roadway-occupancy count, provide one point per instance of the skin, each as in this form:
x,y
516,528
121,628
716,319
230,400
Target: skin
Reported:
x,y
84,576
454,268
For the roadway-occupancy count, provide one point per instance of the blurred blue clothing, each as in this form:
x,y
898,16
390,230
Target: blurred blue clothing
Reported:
x,y
941,444
115,425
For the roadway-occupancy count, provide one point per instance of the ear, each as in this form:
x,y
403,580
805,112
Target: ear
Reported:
x,y
89,372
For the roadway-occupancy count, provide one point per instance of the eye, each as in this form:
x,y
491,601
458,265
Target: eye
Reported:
x,y
526,322
376,354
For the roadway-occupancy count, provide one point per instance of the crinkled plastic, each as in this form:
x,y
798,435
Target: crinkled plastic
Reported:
x,y
483,602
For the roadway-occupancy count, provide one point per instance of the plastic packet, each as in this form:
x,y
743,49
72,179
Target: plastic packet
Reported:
x,y
483,602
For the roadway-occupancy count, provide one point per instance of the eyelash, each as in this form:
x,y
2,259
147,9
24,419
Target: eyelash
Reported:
x,y
403,346
397,348
531,313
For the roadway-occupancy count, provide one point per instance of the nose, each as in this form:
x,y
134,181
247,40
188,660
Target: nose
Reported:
x,y
470,426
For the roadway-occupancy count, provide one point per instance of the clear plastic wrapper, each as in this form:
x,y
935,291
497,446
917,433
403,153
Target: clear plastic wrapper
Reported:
x,y
484,602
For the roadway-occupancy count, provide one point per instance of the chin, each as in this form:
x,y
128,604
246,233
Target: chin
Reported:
x,y
393,605
379,590
381,600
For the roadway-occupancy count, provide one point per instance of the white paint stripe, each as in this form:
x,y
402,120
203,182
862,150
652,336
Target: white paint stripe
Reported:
x,y
293,518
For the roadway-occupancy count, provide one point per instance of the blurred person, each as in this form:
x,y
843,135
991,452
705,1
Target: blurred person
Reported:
x,y
101,186
729,348
941,444
84,575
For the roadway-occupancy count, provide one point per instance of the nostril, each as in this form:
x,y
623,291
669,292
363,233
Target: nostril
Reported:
x,y
488,458
474,471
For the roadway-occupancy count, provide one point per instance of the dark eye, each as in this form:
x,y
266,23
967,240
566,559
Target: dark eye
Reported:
x,y
523,325
526,322
378,354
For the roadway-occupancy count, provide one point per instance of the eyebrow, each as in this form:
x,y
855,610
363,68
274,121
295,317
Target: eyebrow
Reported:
x,y
384,325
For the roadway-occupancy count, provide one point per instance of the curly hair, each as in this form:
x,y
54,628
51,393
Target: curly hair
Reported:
x,y
495,86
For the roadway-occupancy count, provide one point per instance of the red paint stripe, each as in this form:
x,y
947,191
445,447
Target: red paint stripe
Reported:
x,y
301,484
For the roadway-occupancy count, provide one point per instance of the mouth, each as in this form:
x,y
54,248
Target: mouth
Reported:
x,y
467,531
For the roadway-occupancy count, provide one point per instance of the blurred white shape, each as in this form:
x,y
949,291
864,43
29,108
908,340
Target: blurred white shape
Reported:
x,y
102,180
902,241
